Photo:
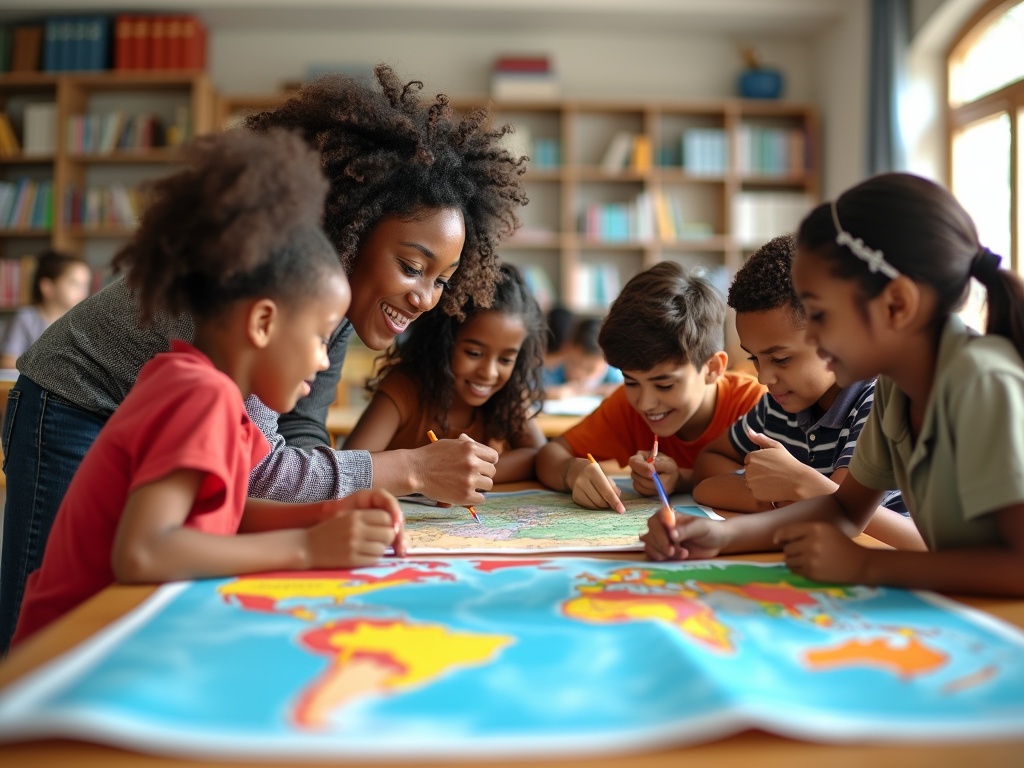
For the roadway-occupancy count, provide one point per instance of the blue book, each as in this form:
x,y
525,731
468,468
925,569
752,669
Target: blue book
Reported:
x,y
50,45
99,42
80,44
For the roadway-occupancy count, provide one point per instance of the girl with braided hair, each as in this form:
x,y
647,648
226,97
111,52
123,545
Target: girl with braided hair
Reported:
x,y
417,204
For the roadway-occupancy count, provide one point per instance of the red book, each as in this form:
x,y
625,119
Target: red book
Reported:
x,y
175,46
141,43
522,64
158,34
193,44
124,53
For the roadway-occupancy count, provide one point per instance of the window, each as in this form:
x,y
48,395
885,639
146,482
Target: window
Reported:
x,y
985,120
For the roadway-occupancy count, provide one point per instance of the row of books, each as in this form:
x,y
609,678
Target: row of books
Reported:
x,y
760,216
103,134
524,78
543,152
16,281
627,150
174,42
87,43
774,152
705,151
596,286
26,204
112,206
76,43
651,216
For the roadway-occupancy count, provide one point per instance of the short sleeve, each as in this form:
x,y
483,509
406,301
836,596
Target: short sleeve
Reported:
x,y
754,420
871,465
989,412
195,428
606,432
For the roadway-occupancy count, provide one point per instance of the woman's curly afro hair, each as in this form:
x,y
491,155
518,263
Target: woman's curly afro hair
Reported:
x,y
385,152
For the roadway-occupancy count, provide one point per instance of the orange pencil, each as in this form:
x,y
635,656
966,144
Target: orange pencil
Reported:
x,y
433,439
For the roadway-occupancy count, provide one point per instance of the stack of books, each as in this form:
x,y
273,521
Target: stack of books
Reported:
x,y
164,42
523,78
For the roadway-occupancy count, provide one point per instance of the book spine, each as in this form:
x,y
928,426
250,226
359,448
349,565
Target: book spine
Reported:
x,y
124,50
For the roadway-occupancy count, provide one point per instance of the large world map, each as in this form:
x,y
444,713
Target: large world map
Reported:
x,y
517,657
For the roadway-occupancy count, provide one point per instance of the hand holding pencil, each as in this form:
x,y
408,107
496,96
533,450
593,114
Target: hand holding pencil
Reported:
x,y
592,488
470,507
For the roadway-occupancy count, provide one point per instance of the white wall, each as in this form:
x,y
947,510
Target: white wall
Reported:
x,y
627,65
841,92
829,71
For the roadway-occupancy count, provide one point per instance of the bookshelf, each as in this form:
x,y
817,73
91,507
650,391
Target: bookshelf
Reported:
x,y
112,131
701,183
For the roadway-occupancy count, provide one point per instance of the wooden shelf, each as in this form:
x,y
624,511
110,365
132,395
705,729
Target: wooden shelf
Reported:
x,y
163,93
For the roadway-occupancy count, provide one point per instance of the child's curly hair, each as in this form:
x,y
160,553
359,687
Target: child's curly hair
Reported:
x,y
763,282
426,357
386,153
242,219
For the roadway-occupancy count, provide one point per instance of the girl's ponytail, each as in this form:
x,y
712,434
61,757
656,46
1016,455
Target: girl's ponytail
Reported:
x,y
1005,297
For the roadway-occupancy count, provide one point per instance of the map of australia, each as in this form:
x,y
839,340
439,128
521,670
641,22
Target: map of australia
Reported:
x,y
516,657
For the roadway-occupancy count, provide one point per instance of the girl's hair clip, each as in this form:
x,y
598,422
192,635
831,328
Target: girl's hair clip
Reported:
x,y
874,259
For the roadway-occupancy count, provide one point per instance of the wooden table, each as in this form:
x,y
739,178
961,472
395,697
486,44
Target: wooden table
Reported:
x,y
342,418
750,749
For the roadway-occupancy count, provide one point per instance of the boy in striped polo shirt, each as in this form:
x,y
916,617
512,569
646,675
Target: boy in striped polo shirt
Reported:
x,y
798,440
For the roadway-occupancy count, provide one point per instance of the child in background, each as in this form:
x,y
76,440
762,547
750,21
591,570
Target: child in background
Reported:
x,y
880,272
582,369
473,378
665,332
798,440
560,324
235,241
60,281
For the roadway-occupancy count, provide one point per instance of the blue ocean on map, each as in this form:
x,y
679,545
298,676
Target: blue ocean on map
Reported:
x,y
521,657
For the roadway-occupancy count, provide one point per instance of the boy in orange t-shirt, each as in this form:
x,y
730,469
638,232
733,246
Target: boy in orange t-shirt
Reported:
x,y
665,332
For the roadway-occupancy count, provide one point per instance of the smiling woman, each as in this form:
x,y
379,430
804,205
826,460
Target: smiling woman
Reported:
x,y
417,204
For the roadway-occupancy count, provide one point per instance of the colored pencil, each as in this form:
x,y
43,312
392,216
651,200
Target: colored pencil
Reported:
x,y
472,510
668,516
594,461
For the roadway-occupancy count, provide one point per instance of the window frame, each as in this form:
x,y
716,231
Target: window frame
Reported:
x,y
1008,100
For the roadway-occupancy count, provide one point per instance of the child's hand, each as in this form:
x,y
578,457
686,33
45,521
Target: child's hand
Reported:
x,y
361,527
692,538
640,472
822,552
456,471
592,489
771,471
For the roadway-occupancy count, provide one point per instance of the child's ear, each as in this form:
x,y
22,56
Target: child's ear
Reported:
x,y
262,322
902,303
715,367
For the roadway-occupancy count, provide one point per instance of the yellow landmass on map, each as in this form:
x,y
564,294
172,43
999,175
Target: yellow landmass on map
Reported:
x,y
382,656
256,593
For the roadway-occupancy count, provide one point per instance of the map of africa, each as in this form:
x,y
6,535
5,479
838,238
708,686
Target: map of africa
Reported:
x,y
526,522
511,658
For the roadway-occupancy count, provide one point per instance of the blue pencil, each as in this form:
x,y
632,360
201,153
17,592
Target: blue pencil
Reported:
x,y
668,515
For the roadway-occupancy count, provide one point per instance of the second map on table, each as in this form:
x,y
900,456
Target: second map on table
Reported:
x,y
533,521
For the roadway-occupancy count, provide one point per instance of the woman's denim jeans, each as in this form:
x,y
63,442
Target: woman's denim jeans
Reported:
x,y
44,440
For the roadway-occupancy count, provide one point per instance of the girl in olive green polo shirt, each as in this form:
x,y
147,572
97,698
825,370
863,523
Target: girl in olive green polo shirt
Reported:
x,y
880,272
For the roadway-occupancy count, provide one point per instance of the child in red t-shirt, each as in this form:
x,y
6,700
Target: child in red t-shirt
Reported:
x,y
234,240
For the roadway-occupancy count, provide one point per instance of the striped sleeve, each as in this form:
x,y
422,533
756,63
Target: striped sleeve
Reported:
x,y
754,419
855,422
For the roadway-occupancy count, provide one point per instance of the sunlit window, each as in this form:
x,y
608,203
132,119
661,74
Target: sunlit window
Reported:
x,y
994,58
